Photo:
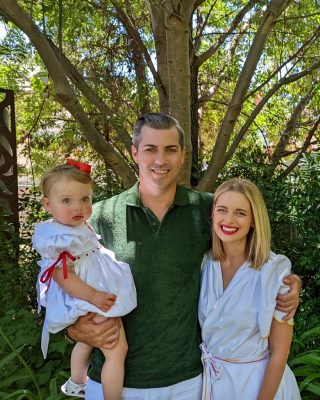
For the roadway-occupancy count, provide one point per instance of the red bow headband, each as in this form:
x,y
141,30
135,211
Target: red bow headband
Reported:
x,y
82,166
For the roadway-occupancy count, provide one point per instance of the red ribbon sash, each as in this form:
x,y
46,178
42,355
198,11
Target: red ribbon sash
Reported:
x,y
47,274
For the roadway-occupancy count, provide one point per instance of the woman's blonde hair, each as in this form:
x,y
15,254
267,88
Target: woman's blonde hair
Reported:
x,y
259,236
69,172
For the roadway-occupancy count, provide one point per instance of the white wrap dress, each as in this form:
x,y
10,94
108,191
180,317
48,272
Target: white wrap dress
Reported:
x,y
93,263
235,325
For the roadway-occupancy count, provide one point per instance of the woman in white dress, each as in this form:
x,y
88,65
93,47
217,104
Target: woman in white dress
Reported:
x,y
86,276
245,340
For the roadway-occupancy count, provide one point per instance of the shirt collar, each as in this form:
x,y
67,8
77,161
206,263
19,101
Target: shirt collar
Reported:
x,y
133,199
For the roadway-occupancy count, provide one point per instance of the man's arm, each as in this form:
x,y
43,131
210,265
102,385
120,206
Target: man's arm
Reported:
x,y
104,334
289,302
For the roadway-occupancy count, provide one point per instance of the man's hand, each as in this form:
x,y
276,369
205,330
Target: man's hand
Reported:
x,y
103,300
289,302
104,334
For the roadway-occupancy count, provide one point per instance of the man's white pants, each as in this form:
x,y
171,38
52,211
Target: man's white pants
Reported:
x,y
190,389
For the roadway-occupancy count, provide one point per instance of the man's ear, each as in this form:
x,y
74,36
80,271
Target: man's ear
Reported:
x,y
46,204
134,153
183,155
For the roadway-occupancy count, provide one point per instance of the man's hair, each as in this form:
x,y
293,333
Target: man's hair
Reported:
x,y
156,120
259,236
69,172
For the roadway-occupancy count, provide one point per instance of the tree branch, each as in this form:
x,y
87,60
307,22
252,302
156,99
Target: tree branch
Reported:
x,y
302,150
78,80
262,103
269,19
64,92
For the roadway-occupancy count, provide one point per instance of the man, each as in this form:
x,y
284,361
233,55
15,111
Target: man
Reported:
x,y
161,230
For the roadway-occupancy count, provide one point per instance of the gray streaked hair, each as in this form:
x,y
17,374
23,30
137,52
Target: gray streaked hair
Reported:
x,y
156,120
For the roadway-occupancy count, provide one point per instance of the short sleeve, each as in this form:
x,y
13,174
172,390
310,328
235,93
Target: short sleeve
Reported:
x,y
272,275
50,241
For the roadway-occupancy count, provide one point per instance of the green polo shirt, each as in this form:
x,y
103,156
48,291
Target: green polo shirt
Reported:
x,y
162,332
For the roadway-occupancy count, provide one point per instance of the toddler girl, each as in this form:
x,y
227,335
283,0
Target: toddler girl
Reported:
x,y
86,276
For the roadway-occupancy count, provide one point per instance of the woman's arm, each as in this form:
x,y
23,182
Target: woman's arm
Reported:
x,y
279,346
75,287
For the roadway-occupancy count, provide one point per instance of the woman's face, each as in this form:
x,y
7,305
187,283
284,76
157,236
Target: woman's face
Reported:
x,y
232,217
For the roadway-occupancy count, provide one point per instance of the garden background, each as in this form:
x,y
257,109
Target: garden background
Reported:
x,y
242,77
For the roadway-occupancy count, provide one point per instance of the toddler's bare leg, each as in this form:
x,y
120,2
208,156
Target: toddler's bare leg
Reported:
x,y
80,358
112,373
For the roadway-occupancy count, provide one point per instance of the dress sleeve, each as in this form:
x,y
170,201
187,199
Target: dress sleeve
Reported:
x,y
272,275
50,243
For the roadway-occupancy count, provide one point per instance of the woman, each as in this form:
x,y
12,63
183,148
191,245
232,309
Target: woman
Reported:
x,y
245,341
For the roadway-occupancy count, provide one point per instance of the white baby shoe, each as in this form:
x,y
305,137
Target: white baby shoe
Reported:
x,y
74,389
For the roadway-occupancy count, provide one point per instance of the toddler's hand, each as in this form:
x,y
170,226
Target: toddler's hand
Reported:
x,y
103,300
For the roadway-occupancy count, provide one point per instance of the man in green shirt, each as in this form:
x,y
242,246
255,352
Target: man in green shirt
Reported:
x,y
162,230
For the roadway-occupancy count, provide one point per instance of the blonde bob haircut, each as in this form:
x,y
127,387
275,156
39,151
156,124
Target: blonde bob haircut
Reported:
x,y
259,236
68,172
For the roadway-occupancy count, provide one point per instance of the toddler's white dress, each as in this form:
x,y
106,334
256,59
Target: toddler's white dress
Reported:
x,y
235,325
93,263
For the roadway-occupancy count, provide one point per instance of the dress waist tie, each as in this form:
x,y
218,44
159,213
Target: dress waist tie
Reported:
x,y
211,371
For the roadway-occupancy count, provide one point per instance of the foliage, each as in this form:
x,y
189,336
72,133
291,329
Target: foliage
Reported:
x,y
237,78
306,363
9,244
24,374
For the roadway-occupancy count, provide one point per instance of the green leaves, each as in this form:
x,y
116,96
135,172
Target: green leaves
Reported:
x,y
23,372
306,364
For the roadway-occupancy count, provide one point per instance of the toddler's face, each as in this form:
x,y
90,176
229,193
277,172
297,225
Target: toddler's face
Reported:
x,y
69,202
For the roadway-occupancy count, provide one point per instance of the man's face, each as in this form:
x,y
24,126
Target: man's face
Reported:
x,y
159,157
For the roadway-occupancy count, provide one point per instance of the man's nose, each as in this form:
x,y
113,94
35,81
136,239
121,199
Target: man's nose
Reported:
x,y
160,157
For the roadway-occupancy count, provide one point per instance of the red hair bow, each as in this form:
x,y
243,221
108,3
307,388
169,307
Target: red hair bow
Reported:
x,y
82,166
